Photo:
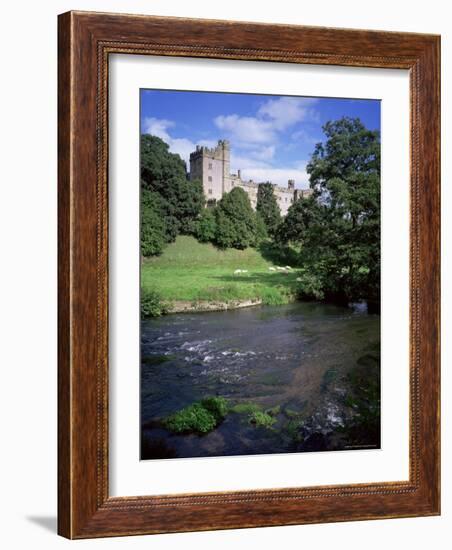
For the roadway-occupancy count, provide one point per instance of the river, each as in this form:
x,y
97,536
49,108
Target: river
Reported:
x,y
314,367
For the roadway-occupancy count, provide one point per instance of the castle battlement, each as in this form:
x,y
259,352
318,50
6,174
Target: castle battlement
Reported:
x,y
212,167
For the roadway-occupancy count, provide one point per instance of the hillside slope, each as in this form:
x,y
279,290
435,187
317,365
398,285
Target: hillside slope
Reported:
x,y
193,272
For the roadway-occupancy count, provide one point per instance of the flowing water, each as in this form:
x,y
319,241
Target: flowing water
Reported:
x,y
299,361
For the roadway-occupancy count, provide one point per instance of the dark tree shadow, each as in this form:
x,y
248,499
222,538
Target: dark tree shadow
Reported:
x,y
49,523
279,254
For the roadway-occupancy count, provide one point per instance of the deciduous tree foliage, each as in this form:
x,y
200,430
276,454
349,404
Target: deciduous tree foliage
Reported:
x,y
206,226
153,228
339,228
164,173
235,221
268,208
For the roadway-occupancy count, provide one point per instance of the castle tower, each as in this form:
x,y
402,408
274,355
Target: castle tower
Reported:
x,y
291,185
212,168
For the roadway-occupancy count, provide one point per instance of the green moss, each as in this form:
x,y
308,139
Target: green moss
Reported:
x,y
194,418
293,430
199,417
245,408
217,406
260,418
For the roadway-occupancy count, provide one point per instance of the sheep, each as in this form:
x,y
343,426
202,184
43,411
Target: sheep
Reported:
x,y
237,271
272,269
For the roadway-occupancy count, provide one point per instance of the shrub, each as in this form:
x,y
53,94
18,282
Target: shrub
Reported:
x,y
151,303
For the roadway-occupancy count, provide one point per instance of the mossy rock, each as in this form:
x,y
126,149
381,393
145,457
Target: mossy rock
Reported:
x,y
245,408
263,419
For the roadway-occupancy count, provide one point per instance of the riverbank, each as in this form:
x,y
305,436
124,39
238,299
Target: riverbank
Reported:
x,y
192,276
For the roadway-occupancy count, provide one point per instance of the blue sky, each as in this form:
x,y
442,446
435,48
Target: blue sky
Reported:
x,y
272,137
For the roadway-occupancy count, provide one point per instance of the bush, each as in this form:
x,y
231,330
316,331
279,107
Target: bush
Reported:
x,y
151,304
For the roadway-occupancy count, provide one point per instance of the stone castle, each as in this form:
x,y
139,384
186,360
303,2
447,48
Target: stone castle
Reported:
x,y
213,168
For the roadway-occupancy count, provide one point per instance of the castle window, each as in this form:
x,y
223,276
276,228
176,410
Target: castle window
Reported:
x,y
210,191
210,166
210,178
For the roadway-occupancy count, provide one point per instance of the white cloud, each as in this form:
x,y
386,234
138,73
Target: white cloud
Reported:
x,y
245,129
260,170
273,117
157,127
304,136
181,146
286,111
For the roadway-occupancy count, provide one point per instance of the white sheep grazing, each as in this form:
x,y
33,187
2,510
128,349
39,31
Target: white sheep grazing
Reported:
x,y
237,271
244,271
280,268
288,267
272,269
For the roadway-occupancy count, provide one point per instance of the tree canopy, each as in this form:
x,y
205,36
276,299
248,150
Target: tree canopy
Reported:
x,y
164,175
339,227
235,220
268,208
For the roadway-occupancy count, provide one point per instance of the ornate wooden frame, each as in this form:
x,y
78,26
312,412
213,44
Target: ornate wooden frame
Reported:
x,y
85,42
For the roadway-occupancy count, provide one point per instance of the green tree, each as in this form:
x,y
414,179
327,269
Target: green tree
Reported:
x,y
206,226
165,173
268,208
153,230
261,230
235,221
339,227
301,215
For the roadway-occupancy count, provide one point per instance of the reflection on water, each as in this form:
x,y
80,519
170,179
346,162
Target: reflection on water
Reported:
x,y
305,361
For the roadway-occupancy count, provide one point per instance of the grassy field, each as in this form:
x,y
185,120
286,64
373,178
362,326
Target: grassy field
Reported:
x,y
190,271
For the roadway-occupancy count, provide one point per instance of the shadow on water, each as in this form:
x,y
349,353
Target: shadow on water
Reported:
x,y
293,377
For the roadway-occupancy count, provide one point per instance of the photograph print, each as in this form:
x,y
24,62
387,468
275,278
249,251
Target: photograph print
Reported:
x,y
260,274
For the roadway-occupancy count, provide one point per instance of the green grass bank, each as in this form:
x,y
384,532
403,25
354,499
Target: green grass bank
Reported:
x,y
194,273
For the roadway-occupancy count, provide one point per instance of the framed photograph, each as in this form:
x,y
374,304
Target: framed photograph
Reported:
x,y
248,275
